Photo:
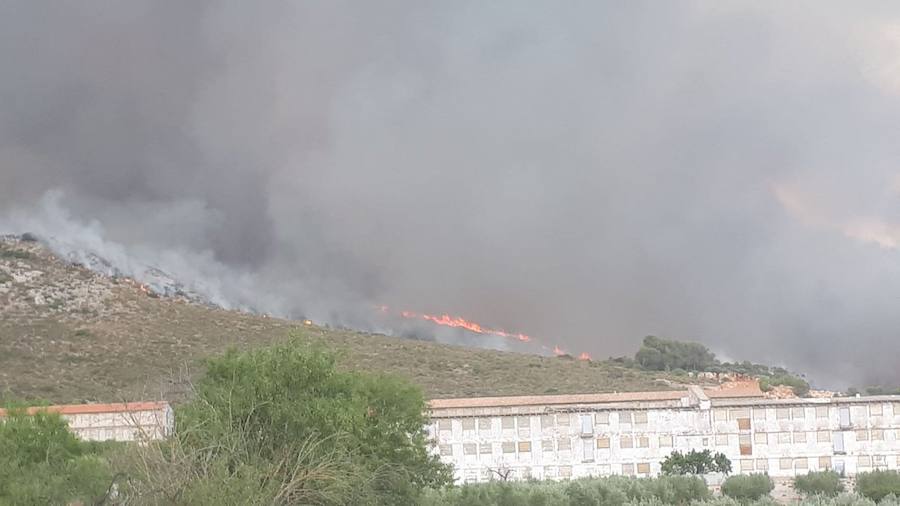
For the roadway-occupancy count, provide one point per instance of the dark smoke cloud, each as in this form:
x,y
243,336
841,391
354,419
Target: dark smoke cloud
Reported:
x,y
587,172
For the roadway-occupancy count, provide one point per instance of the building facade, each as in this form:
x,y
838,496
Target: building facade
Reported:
x,y
572,436
133,421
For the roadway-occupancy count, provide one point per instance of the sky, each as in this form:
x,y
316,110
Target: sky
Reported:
x,y
587,173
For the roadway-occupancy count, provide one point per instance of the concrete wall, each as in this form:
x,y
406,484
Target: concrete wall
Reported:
x,y
783,438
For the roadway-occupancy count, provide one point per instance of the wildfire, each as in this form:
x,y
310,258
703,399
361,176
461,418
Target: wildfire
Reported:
x,y
446,320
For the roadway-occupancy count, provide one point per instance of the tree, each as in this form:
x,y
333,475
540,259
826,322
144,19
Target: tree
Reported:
x,y
665,355
284,423
695,462
42,462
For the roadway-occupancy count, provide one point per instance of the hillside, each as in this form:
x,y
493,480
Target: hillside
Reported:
x,y
68,334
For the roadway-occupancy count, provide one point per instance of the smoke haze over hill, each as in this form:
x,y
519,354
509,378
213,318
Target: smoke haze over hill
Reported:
x,y
588,172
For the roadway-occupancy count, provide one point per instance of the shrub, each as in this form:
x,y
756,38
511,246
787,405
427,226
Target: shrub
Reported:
x,y
798,385
42,462
284,426
826,483
877,485
748,487
695,462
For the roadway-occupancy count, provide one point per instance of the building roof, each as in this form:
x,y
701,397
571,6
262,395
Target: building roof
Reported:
x,y
543,400
84,409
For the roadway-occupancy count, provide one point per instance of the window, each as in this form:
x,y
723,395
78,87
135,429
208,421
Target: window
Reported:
x,y
744,444
628,469
876,410
823,436
547,421
665,441
738,413
801,463
643,468
721,440
798,413
760,438
563,421
469,448
446,450
720,415
746,465
864,461
547,445
587,448
877,435
640,418
844,413
468,424
743,423
784,438
565,471
759,413
879,461
564,444
762,464
821,411
484,424
625,418
626,442
643,442
524,446
601,418
485,448
862,435
824,463
782,414
444,424
507,422
799,437
587,424
524,422
785,463
508,447
603,442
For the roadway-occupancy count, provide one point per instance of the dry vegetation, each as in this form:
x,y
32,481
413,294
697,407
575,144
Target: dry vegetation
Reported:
x,y
70,335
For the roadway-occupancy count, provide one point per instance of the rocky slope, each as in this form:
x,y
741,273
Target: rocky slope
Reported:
x,y
70,334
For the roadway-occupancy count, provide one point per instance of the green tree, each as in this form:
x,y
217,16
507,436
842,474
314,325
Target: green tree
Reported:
x,y
659,354
825,483
695,462
877,485
284,425
42,462
750,487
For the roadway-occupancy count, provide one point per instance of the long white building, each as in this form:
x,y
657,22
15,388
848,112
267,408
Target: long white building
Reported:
x,y
570,436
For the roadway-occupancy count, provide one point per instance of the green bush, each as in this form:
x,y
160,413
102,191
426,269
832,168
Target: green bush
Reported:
x,y
695,462
747,487
877,485
825,483
798,385
611,491
284,426
42,462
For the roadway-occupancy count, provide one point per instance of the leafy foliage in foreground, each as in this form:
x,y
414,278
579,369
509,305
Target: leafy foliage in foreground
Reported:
x,y
695,462
750,487
616,490
42,462
877,485
283,426
819,483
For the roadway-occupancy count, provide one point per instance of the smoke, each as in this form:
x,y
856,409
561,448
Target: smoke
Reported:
x,y
588,173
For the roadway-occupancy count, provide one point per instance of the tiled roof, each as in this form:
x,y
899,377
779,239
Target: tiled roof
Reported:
x,y
532,400
735,389
84,409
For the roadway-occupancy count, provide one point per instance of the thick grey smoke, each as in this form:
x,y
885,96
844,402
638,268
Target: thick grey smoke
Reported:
x,y
584,172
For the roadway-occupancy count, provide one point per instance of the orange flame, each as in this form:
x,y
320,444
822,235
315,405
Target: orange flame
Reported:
x,y
446,320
